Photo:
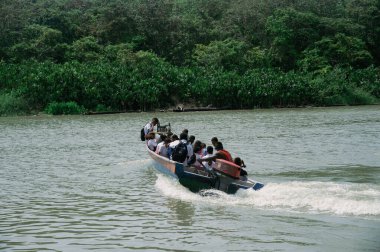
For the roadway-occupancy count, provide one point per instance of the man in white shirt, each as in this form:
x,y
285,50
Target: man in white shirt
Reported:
x,y
152,143
149,127
208,164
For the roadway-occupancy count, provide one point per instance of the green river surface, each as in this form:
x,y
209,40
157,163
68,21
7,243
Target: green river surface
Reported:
x,y
82,183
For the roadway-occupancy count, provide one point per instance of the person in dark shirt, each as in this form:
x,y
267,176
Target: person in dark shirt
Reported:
x,y
214,141
238,161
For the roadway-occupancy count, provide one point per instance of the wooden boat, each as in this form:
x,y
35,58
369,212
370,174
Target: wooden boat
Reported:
x,y
179,109
225,175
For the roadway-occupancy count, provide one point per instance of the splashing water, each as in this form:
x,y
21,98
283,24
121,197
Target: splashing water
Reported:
x,y
307,197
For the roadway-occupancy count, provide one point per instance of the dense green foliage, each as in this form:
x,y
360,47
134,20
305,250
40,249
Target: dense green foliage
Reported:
x,y
11,104
64,108
146,54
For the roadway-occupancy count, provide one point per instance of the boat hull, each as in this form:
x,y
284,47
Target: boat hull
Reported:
x,y
197,179
195,182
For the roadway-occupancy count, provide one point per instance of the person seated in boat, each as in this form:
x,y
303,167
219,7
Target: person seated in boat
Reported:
x,y
214,141
149,127
192,159
186,131
197,150
191,139
174,141
152,143
189,149
162,148
238,161
208,164
161,138
204,149
197,146
221,153
174,137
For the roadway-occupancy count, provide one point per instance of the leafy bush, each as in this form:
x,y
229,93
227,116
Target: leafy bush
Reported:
x,y
359,97
64,108
10,104
150,82
102,108
337,88
367,79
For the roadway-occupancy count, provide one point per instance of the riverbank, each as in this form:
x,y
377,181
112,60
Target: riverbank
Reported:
x,y
76,88
173,110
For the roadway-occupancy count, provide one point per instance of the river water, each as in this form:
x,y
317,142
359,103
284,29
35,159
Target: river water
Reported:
x,y
79,183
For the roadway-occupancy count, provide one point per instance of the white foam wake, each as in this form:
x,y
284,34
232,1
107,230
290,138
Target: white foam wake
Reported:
x,y
311,197
328,197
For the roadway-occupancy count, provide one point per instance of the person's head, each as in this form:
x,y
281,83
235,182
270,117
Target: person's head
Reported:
x,y
186,131
238,161
163,137
155,121
197,146
183,136
191,139
197,143
214,140
150,136
203,145
174,137
167,142
210,149
218,146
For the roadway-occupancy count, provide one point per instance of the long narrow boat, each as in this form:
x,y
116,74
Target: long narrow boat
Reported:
x,y
224,177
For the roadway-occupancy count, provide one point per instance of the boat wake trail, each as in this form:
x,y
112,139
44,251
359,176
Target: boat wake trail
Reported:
x,y
319,197
307,197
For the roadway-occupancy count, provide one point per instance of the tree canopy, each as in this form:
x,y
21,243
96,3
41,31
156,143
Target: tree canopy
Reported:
x,y
102,52
178,30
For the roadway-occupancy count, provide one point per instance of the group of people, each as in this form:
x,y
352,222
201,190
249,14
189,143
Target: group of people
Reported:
x,y
186,149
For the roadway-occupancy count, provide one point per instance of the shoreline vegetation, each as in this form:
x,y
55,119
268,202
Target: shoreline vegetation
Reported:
x,y
92,57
